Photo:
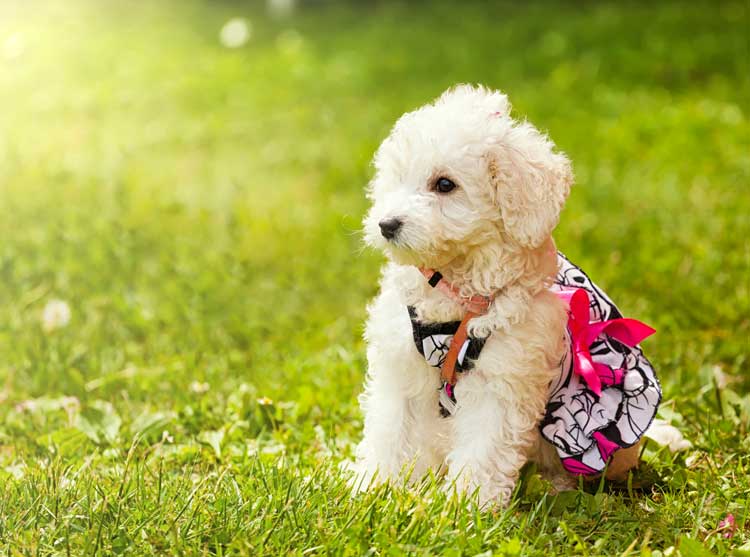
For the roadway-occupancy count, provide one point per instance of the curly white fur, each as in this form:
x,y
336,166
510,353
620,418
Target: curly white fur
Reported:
x,y
491,234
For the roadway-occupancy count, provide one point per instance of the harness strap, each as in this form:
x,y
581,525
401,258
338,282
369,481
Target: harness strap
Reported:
x,y
474,305
448,369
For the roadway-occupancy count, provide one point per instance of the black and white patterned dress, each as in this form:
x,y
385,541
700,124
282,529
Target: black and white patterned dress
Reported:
x,y
586,428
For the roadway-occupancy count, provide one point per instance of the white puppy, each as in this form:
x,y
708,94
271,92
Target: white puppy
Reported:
x,y
464,189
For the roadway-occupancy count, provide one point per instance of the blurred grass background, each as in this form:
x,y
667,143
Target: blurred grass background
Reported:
x,y
198,207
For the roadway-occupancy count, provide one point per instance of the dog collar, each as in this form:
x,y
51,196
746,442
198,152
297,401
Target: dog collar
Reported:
x,y
476,304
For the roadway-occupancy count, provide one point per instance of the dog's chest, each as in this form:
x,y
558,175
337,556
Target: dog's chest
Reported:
x,y
433,341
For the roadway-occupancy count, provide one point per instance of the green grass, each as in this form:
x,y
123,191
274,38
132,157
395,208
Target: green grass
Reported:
x,y
199,207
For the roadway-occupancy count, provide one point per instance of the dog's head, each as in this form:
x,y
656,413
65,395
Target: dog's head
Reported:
x,y
460,173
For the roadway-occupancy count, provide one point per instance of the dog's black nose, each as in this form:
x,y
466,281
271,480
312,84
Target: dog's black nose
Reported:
x,y
389,227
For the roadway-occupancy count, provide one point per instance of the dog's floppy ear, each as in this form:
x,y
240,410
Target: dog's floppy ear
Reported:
x,y
531,183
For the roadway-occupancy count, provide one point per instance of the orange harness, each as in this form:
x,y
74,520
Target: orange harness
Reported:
x,y
474,305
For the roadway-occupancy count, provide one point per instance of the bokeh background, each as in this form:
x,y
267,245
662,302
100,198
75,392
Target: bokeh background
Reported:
x,y
183,282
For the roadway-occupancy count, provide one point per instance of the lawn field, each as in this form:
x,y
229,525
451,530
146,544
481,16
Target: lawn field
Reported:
x,y
196,209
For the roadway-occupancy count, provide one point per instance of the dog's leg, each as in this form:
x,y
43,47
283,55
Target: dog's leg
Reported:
x,y
623,461
399,431
502,400
550,467
494,431
400,401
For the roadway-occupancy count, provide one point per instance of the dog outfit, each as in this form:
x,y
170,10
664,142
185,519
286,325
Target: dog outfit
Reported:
x,y
607,392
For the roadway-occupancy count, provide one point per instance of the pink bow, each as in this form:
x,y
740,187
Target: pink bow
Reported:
x,y
583,332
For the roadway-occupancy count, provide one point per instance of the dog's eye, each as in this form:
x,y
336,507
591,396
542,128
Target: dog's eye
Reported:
x,y
444,185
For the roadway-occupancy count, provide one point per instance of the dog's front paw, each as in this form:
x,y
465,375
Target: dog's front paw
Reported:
x,y
360,476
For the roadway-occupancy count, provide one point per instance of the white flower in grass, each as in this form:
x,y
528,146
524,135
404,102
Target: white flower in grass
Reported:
x,y
55,315
18,471
668,435
722,379
235,32
199,388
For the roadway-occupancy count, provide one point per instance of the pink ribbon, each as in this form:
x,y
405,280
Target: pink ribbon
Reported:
x,y
583,332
